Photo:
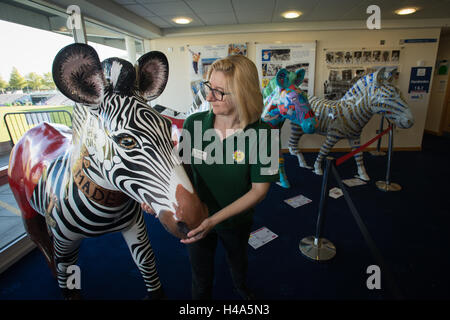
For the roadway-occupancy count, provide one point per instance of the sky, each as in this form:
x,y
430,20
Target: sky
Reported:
x,y
32,50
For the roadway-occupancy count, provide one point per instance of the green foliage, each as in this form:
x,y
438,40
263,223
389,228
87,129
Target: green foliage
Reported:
x,y
16,80
34,81
47,81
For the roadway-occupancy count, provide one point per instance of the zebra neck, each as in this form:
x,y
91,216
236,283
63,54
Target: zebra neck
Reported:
x,y
93,191
357,109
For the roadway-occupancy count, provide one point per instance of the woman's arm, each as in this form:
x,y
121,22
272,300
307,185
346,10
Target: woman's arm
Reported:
x,y
254,196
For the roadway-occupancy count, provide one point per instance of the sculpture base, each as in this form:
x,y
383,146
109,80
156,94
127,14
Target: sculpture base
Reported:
x,y
383,186
317,249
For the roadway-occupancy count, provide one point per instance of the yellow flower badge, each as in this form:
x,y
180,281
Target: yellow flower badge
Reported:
x,y
238,156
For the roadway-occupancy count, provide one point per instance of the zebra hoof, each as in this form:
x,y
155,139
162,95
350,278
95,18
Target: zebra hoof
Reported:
x,y
303,165
318,172
364,178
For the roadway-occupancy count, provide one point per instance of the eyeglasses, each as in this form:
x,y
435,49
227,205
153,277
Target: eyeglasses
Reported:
x,y
217,94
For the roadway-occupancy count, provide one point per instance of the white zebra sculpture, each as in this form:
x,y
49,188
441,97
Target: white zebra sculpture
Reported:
x,y
346,118
93,180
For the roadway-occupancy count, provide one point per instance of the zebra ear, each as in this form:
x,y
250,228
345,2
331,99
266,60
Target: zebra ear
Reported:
x,y
153,73
282,78
77,73
120,75
390,73
381,75
300,75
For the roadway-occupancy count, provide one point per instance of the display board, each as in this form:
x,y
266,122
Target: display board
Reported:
x,y
201,57
293,56
345,66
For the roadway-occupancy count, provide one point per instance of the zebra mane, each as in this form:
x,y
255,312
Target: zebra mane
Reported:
x,y
361,87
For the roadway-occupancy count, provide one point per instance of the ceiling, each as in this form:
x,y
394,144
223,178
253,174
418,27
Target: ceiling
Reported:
x,y
206,13
150,19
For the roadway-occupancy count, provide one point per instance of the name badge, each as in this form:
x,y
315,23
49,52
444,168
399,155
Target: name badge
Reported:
x,y
199,154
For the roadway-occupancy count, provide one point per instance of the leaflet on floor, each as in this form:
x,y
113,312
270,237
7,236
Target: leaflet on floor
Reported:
x,y
297,201
335,193
353,182
260,237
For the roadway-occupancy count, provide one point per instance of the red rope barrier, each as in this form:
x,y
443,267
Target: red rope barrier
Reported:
x,y
345,157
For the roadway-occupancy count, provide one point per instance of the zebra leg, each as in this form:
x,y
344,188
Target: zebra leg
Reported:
x,y
294,138
362,174
66,254
137,240
324,151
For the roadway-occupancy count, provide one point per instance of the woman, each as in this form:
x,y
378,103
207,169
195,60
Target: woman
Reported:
x,y
230,189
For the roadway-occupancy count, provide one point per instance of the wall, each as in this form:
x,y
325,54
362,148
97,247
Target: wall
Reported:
x,y
438,104
178,97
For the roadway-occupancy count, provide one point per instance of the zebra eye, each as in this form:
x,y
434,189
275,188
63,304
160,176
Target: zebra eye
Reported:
x,y
127,142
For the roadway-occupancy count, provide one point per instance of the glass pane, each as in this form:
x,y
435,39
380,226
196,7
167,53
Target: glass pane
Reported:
x,y
109,43
26,84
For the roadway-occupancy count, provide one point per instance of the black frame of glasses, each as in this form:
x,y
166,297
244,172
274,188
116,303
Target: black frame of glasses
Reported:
x,y
208,85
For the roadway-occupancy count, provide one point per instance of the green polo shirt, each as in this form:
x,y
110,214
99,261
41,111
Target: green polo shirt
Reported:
x,y
223,171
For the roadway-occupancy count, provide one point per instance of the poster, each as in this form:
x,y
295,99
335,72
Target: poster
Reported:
x,y
346,66
201,57
419,81
270,58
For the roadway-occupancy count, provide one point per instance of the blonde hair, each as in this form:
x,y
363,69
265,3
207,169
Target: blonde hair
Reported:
x,y
242,80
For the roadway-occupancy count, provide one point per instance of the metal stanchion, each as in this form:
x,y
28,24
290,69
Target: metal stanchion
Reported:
x,y
388,185
315,247
378,152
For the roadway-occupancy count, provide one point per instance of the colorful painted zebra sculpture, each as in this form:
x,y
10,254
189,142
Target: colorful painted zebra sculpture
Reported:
x,y
92,180
284,100
346,118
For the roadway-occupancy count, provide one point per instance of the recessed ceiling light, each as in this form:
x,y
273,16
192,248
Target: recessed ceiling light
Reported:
x,y
405,11
182,20
291,14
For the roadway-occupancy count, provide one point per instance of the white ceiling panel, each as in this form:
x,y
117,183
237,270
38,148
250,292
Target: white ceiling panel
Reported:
x,y
330,10
151,1
172,8
248,6
160,22
255,16
139,10
125,1
221,18
210,6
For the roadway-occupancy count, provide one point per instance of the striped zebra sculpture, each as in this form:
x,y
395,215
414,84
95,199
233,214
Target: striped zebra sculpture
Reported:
x,y
346,118
93,179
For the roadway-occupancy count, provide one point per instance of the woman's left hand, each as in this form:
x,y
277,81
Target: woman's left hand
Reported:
x,y
200,232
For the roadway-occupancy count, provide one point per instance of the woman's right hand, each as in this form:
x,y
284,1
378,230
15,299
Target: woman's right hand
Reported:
x,y
148,209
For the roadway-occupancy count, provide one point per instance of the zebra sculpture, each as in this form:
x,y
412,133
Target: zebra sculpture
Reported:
x,y
93,180
346,118
284,100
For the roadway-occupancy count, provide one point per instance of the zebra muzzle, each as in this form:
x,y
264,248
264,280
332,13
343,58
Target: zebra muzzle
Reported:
x,y
189,213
